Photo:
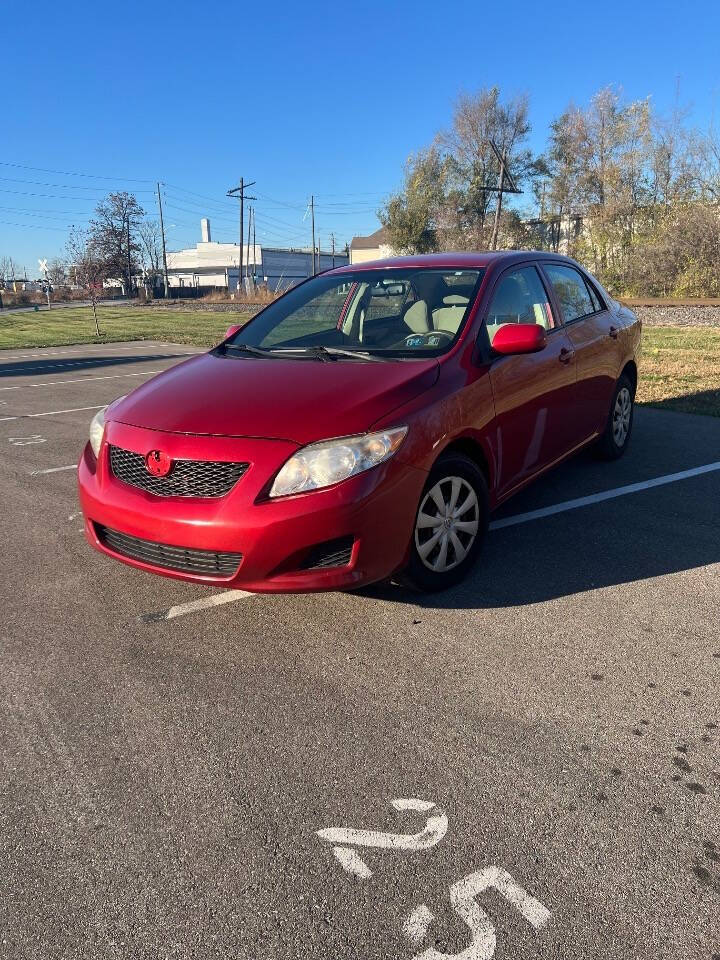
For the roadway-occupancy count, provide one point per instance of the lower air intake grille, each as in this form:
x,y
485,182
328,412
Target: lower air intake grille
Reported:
x,y
187,478
187,559
332,553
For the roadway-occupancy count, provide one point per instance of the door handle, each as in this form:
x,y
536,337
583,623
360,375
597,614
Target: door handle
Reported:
x,y
566,355
613,332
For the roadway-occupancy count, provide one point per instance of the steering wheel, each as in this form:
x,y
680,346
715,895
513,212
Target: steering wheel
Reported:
x,y
429,339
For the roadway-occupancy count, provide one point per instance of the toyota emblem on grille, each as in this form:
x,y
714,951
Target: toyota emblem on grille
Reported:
x,y
158,463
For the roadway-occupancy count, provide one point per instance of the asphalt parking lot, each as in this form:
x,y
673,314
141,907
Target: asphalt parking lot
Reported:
x,y
168,761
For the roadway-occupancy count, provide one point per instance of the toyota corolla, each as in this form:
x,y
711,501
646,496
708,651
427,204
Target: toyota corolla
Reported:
x,y
364,425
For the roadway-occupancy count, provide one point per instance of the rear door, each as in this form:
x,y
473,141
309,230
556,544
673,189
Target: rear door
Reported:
x,y
534,393
589,326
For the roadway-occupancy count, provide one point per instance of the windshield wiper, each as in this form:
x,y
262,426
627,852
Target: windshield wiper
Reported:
x,y
358,354
246,348
331,353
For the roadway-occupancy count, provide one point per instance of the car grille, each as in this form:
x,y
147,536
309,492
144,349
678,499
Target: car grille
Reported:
x,y
187,559
188,478
332,553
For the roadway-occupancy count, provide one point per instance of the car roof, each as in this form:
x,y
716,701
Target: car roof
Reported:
x,y
452,260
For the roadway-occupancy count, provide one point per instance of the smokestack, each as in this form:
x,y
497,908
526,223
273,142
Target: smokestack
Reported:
x,y
205,230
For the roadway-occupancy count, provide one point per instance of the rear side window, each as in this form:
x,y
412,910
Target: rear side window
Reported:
x,y
571,291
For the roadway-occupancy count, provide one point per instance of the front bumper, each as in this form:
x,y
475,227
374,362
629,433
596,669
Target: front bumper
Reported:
x,y
376,509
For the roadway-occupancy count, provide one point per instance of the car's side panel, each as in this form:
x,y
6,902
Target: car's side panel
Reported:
x,y
599,353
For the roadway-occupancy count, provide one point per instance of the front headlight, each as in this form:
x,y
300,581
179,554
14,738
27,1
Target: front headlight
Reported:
x,y
323,464
97,428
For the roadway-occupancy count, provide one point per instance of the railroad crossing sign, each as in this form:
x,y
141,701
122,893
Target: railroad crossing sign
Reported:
x,y
43,266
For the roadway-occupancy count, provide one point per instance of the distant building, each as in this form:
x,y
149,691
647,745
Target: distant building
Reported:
x,y
283,268
209,264
214,266
374,247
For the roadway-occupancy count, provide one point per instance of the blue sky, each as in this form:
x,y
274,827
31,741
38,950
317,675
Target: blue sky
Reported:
x,y
301,97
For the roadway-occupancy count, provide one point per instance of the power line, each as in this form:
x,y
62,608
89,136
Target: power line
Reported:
x,y
32,226
71,173
61,186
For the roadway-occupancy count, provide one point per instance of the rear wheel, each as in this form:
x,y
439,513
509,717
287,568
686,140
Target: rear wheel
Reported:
x,y
616,437
450,524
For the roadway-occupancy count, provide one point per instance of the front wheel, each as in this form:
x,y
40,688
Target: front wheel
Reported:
x,y
616,437
450,525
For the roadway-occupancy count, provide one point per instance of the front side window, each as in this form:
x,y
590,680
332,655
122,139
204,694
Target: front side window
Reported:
x,y
571,291
519,297
400,312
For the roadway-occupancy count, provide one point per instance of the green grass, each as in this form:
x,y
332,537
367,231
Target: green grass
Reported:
x,y
75,325
679,370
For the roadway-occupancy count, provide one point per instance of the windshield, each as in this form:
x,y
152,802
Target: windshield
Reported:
x,y
395,313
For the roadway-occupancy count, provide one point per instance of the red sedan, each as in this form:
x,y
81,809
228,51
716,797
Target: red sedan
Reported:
x,y
364,425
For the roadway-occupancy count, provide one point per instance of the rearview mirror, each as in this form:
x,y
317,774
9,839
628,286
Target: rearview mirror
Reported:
x,y
232,330
519,338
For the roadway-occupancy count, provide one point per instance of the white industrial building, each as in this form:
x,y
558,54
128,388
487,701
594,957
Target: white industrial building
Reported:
x,y
210,264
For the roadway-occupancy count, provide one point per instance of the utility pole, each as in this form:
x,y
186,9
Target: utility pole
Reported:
x,y
162,231
332,242
312,215
250,216
500,189
240,193
254,249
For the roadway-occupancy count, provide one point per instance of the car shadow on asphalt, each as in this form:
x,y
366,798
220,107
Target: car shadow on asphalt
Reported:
x,y
42,364
705,402
638,536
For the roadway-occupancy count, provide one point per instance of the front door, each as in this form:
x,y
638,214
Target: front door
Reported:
x,y
534,393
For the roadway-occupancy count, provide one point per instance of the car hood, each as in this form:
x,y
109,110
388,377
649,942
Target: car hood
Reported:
x,y
297,400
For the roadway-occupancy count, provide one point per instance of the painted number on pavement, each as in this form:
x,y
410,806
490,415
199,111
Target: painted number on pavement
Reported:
x,y
463,893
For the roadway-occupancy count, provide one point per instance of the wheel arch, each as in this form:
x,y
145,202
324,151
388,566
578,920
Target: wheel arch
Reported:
x,y
631,371
473,450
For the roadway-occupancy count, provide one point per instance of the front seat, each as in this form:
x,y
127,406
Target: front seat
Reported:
x,y
417,317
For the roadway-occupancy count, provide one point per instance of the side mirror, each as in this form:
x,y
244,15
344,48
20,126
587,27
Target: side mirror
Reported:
x,y
519,338
232,330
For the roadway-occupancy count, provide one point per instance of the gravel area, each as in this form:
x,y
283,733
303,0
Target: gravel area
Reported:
x,y
679,316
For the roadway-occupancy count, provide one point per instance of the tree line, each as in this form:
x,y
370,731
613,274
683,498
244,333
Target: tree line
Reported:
x,y
632,194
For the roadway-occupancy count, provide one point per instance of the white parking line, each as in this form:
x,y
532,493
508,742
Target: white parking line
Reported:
x,y
605,495
51,413
37,473
230,596
59,383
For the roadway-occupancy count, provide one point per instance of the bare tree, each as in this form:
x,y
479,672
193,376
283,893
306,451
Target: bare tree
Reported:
x,y
88,267
8,269
56,272
150,251
113,233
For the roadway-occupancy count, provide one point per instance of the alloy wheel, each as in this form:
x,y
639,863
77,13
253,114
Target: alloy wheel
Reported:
x,y
447,524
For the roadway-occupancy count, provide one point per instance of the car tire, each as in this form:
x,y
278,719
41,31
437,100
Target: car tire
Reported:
x,y
616,437
450,525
